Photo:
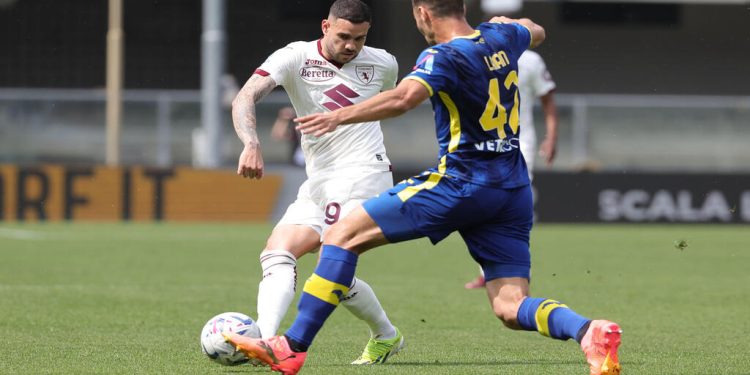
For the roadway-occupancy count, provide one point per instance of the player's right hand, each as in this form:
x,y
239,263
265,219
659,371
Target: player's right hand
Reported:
x,y
317,124
250,164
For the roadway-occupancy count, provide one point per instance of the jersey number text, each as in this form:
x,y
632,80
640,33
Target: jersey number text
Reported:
x,y
495,115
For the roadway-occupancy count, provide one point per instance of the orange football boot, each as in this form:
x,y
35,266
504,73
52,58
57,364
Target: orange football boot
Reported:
x,y
600,345
274,352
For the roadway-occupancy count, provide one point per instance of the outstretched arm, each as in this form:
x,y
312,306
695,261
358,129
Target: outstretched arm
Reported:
x,y
407,95
537,32
548,148
250,164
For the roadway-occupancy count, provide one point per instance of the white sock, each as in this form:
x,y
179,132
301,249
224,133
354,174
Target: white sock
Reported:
x,y
362,303
276,290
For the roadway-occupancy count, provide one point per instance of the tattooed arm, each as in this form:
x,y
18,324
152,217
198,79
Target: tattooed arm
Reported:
x,y
256,88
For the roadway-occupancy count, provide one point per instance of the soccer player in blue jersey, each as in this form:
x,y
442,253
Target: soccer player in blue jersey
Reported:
x,y
479,188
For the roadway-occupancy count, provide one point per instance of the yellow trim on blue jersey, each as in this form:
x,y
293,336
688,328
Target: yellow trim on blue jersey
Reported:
x,y
475,34
542,315
455,126
531,36
423,82
325,289
431,182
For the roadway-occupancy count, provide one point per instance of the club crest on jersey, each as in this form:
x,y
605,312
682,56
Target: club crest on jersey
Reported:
x,y
365,73
316,73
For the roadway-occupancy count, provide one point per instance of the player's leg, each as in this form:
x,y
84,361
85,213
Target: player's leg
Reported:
x,y
377,221
599,339
321,294
390,217
297,233
502,248
333,275
528,150
287,243
385,339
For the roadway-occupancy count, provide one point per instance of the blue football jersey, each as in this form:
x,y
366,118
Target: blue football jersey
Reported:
x,y
473,85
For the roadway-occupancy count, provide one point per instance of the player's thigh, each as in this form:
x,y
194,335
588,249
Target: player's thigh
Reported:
x,y
347,191
297,239
357,232
422,206
299,230
500,244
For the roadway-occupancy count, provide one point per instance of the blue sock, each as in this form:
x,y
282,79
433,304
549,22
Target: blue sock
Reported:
x,y
550,318
321,294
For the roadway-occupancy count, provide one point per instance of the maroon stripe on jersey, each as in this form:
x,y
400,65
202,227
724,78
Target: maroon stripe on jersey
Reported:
x,y
320,51
261,72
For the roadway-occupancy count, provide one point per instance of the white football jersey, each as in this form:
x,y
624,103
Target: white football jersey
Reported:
x,y
534,81
315,84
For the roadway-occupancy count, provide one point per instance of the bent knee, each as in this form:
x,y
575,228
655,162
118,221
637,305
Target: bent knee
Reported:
x,y
508,316
507,311
339,235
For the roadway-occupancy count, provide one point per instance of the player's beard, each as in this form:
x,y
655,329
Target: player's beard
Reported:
x,y
343,58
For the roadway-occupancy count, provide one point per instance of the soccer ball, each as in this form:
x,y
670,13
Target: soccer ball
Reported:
x,y
216,348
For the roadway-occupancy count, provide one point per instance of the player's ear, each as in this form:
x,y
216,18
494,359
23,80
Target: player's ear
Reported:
x,y
325,25
424,15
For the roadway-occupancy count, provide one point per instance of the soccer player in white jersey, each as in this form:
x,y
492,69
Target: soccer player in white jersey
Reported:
x,y
343,168
534,82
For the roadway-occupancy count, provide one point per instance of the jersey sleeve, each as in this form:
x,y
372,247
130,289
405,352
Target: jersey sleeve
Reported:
x,y
542,82
433,70
279,64
519,36
391,74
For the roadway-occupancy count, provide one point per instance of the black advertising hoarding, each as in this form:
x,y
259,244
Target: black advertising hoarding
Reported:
x,y
642,198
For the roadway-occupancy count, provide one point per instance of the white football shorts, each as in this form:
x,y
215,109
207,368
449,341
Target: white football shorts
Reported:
x,y
325,198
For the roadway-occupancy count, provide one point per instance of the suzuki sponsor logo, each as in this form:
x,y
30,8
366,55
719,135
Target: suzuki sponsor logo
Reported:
x,y
677,206
316,74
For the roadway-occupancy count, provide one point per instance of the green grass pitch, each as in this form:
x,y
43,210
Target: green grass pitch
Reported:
x,y
132,298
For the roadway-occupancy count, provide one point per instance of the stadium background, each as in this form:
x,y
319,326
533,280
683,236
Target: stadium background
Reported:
x,y
653,99
655,121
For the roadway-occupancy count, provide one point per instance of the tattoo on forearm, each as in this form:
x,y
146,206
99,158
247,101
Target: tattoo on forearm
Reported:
x,y
243,107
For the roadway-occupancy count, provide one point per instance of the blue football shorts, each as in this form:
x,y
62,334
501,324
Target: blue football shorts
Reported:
x,y
493,222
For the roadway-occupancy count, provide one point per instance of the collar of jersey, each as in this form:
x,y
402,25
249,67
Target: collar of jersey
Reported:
x,y
475,34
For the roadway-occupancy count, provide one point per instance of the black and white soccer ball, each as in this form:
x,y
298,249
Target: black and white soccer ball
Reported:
x,y
213,344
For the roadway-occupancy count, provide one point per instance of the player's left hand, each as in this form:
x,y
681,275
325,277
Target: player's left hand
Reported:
x,y
502,19
548,150
317,124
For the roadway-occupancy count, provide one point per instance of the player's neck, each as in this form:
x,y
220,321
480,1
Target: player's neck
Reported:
x,y
446,29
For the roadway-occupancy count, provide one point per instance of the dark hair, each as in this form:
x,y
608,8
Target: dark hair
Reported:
x,y
354,11
442,8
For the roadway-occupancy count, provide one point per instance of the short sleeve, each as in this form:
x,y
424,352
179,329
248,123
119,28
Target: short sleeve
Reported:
x,y
434,70
279,64
519,36
542,79
391,74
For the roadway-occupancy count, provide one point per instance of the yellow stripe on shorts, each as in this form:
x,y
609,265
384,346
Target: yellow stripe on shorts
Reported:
x,y
431,182
325,290
542,315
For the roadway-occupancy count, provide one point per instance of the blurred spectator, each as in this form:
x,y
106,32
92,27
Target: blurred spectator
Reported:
x,y
283,130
